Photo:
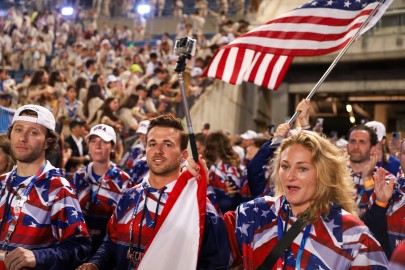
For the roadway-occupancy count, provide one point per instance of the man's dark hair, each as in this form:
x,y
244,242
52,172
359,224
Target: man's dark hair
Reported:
x,y
90,62
201,138
170,122
158,70
51,137
140,87
153,87
95,78
371,132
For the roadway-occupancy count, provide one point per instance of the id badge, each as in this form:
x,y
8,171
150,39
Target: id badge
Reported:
x,y
2,255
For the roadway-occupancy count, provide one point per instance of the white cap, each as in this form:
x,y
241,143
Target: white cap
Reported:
x,y
111,78
45,117
104,42
143,127
342,143
379,128
105,132
197,71
249,135
223,40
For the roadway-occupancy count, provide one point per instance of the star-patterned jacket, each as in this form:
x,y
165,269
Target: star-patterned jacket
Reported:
x,y
338,241
50,223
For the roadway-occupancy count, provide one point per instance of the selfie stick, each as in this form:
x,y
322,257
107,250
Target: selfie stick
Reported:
x,y
180,67
331,67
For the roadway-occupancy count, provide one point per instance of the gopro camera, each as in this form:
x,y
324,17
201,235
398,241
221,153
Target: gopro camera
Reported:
x,y
185,46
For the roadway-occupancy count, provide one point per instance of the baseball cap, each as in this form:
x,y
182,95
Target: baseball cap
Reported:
x,y
104,42
143,127
136,68
249,135
197,71
111,78
341,143
45,117
76,122
105,132
379,129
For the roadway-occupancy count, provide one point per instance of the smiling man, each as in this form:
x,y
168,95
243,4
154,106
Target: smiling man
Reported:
x,y
159,218
41,226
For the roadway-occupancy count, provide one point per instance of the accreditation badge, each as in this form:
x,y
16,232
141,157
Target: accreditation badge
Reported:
x,y
2,255
134,256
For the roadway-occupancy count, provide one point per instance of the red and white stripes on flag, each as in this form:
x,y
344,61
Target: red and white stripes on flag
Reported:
x,y
235,65
263,55
178,233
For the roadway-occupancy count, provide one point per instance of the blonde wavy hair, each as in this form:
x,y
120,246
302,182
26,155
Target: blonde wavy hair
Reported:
x,y
334,182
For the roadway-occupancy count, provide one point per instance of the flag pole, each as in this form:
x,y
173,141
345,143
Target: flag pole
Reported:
x,y
332,66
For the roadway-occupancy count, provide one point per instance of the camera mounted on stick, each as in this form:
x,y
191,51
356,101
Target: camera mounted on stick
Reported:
x,y
185,49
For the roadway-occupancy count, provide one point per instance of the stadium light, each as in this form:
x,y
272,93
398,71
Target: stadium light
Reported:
x,y
143,8
67,11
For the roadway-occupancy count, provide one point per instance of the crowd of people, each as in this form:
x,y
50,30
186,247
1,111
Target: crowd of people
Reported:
x,y
87,77
346,205
95,159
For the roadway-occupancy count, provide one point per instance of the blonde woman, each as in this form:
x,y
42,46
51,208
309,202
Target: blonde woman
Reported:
x,y
312,184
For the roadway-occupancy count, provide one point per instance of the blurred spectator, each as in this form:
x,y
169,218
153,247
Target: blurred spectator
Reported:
x,y
94,102
139,27
126,114
198,22
79,149
384,159
178,8
7,159
70,108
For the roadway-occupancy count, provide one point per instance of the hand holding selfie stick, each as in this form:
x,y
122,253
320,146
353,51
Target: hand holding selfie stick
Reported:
x,y
185,48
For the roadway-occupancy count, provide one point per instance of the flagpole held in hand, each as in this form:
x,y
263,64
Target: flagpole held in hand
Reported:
x,y
185,48
278,140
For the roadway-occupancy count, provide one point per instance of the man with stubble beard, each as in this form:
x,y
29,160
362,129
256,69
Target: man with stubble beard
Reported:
x,y
149,228
41,226
372,199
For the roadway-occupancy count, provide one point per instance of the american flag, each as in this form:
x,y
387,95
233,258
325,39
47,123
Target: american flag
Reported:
x,y
263,55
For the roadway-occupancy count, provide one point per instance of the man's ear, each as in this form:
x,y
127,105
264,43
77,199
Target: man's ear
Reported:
x,y
48,142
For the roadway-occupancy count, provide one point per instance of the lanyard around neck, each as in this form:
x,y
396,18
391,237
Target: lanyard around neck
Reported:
x,y
20,203
280,233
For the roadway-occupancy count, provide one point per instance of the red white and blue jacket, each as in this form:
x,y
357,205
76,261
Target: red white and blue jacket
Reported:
x,y
338,241
138,171
396,216
51,223
148,204
219,173
99,197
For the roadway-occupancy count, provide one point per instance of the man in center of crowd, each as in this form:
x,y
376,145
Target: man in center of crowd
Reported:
x,y
131,228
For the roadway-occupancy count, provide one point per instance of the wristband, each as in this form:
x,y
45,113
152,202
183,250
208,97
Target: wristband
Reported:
x,y
381,204
306,127
368,183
